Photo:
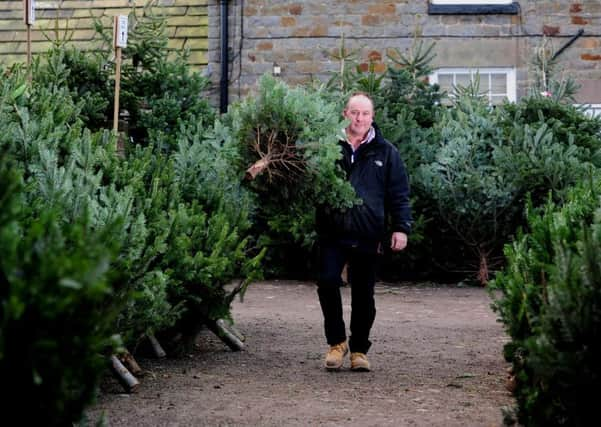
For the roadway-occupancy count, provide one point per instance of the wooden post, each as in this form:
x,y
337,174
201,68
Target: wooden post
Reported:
x,y
119,41
29,19
117,89
29,49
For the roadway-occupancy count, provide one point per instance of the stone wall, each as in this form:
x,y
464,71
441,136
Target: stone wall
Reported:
x,y
187,25
303,36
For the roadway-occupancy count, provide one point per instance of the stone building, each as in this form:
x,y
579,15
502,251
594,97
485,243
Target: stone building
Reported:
x,y
299,38
497,38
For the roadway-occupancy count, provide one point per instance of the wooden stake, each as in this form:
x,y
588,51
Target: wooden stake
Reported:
x,y
29,19
117,89
29,52
119,41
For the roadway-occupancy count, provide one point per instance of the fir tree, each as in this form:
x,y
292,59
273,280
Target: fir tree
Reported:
x,y
287,145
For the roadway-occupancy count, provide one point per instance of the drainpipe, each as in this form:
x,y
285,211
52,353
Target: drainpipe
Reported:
x,y
223,84
569,43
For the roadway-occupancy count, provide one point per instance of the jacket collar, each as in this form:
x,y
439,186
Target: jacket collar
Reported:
x,y
369,137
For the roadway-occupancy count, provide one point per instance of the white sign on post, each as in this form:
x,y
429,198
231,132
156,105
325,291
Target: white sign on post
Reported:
x,y
121,31
29,11
29,8
29,19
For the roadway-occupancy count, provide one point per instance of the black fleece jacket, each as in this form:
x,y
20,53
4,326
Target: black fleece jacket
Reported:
x,y
379,178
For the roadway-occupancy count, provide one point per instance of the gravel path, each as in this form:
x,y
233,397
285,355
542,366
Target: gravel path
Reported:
x,y
436,358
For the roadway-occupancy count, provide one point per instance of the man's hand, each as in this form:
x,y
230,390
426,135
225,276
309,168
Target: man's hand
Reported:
x,y
398,241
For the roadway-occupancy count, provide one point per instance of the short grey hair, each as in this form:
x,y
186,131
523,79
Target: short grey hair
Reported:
x,y
360,93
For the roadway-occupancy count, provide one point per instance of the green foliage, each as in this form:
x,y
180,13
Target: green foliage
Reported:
x,y
344,80
98,243
568,123
73,171
189,243
205,163
472,167
297,133
550,303
539,161
409,93
487,163
86,76
475,202
80,174
547,84
56,310
149,179
208,243
365,79
159,90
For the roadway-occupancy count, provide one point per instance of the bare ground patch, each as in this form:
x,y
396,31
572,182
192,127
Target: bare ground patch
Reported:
x,y
437,361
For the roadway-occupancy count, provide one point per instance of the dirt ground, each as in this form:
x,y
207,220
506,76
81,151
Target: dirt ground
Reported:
x,y
436,359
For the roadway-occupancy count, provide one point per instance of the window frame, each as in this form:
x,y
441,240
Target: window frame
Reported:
x,y
594,110
510,73
473,7
466,2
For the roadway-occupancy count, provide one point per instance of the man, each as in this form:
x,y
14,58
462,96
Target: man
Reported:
x,y
354,236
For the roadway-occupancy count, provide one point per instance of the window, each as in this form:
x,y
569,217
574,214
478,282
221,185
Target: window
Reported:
x,y
497,84
472,1
473,7
593,110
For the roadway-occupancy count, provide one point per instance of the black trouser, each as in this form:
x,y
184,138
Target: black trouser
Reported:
x,y
362,277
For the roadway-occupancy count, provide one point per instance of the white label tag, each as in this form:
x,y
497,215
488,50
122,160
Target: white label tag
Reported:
x,y
29,10
121,31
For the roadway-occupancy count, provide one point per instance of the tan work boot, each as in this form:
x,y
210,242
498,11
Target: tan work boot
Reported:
x,y
359,362
335,356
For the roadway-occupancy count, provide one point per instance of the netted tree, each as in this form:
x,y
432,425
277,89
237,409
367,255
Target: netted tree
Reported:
x,y
287,142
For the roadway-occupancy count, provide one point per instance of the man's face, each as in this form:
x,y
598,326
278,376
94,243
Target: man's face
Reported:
x,y
360,111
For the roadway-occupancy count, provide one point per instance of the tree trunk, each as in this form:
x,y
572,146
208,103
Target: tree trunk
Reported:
x,y
256,169
156,346
236,332
483,275
220,329
127,380
128,360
